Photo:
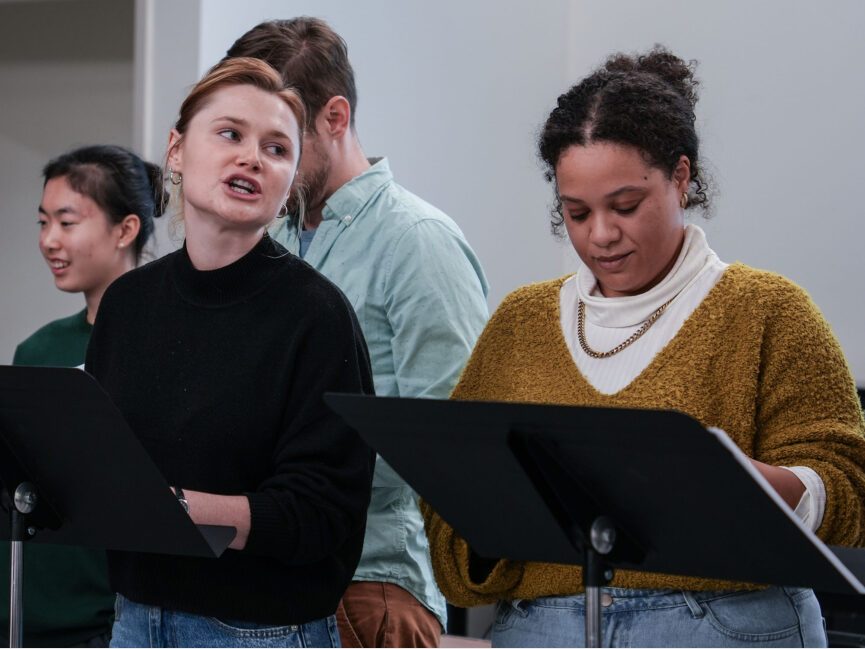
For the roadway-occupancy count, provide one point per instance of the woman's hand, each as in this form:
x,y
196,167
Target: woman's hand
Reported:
x,y
784,481
213,509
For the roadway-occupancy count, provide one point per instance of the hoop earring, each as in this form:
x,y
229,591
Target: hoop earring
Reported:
x,y
683,202
283,211
175,177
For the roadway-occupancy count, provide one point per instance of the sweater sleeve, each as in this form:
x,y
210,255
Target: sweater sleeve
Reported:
x,y
808,411
318,492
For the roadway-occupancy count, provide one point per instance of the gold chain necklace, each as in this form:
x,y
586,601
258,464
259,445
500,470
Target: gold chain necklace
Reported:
x,y
581,330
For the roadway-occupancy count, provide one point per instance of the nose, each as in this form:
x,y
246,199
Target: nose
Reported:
x,y
48,237
605,230
248,156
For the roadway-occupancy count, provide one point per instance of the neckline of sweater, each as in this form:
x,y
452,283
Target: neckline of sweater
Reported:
x,y
230,284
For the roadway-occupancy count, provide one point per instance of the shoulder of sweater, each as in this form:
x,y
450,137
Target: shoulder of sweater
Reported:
x,y
50,330
532,296
763,289
135,281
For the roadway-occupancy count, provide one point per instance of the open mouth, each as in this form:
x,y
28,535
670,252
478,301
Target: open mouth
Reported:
x,y
243,186
58,264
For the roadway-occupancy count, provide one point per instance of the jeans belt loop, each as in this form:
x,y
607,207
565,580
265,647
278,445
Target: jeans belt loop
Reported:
x,y
697,610
519,605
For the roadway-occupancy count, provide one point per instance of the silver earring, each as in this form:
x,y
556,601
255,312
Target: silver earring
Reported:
x,y
175,177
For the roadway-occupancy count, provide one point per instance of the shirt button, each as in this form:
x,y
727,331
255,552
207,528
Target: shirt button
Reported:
x,y
347,219
606,599
293,628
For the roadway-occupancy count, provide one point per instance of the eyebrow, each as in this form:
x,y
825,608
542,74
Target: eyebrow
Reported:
x,y
242,122
62,210
613,194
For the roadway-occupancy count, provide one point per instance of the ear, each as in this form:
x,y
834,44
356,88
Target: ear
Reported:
x,y
335,116
682,173
128,228
175,150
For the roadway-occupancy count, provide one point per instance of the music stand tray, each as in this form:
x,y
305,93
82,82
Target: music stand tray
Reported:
x,y
601,488
73,473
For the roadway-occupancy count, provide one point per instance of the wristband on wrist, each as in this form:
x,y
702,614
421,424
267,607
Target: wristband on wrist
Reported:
x,y
181,498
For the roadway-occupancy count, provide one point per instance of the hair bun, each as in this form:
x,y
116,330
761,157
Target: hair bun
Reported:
x,y
665,65
160,196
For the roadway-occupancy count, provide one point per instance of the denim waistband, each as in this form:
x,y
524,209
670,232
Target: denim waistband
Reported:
x,y
640,597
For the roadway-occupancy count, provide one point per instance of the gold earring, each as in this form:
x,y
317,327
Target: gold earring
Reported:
x,y
175,177
683,202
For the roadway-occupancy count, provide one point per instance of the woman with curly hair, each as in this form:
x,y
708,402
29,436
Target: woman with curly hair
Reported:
x,y
654,319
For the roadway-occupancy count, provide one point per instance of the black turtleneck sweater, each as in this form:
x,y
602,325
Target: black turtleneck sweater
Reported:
x,y
221,374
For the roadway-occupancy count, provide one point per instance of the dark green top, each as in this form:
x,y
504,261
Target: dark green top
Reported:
x,y
66,596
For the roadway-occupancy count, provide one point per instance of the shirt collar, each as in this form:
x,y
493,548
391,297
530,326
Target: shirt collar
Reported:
x,y
347,202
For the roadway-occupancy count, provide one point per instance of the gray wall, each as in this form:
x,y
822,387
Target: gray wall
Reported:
x,y
781,118
65,80
453,93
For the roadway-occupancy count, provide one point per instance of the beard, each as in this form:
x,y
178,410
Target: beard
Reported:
x,y
309,191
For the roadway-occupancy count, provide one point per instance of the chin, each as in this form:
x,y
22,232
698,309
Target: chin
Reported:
x,y
68,287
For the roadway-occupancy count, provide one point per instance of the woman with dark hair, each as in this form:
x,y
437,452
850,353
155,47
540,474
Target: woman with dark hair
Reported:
x,y
218,356
96,214
653,319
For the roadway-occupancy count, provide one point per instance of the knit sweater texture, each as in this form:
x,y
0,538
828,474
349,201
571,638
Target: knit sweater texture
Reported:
x,y
756,359
221,374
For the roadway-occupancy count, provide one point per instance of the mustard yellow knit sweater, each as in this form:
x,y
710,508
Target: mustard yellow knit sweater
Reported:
x,y
756,359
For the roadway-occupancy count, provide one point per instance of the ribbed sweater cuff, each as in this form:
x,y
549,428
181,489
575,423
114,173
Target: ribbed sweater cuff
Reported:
x,y
269,532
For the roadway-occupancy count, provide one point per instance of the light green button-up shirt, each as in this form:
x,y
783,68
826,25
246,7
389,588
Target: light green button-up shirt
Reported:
x,y
420,296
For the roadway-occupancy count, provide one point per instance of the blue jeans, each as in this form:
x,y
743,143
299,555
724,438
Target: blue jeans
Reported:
x,y
137,625
775,617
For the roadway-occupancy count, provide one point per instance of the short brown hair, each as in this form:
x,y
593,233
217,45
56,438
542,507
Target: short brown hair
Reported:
x,y
311,57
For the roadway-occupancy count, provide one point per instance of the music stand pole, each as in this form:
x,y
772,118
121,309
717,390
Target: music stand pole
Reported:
x,y
593,609
602,538
23,503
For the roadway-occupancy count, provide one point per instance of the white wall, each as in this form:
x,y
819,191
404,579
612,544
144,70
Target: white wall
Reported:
x,y
781,118
65,81
453,93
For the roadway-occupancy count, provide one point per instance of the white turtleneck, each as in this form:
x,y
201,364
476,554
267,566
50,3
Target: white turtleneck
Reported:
x,y
610,321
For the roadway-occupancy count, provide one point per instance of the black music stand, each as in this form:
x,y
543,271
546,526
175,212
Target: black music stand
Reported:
x,y
602,488
73,473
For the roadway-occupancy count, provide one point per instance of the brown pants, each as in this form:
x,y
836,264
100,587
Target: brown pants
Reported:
x,y
375,614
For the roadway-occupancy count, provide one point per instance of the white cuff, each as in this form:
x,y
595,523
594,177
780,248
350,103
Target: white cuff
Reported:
x,y
812,505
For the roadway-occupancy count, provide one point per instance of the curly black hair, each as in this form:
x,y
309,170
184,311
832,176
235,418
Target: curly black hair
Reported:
x,y
645,101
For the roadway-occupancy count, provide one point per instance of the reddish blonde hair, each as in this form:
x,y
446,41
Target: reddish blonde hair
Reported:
x,y
235,72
